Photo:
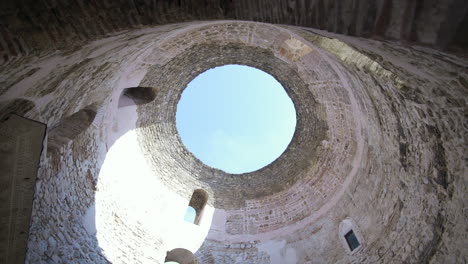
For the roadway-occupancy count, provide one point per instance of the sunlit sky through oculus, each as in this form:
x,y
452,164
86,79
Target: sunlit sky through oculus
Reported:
x,y
235,118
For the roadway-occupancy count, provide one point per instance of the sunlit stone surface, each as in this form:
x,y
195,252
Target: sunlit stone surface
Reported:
x,y
379,146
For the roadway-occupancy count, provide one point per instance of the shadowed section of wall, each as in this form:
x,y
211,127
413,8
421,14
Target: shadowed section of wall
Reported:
x,y
139,95
69,128
17,106
20,149
182,256
32,26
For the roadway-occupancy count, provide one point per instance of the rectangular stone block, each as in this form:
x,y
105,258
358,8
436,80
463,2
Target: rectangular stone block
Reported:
x,y
20,150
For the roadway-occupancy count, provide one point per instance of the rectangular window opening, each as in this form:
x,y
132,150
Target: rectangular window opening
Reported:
x,y
352,240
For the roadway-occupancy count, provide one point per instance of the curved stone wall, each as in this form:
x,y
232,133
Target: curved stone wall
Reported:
x,y
379,142
35,26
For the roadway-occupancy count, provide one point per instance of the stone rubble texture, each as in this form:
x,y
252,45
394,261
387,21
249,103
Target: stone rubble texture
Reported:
x,y
380,136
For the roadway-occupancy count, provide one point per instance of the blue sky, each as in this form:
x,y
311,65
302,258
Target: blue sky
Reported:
x,y
235,118
190,214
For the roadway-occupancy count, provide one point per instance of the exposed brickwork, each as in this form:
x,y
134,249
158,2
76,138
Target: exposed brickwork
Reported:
x,y
34,26
380,140
229,190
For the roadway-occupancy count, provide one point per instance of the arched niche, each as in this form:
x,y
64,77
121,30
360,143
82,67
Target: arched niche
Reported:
x,y
198,202
69,128
181,256
136,96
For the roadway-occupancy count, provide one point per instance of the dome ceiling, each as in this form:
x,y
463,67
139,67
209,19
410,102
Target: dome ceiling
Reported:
x,y
376,159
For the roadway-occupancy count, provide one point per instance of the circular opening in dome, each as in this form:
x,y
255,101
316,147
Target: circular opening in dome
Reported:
x,y
235,118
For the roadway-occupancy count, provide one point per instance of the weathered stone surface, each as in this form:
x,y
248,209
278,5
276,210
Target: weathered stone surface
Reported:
x,y
34,26
69,128
18,107
380,140
20,149
140,95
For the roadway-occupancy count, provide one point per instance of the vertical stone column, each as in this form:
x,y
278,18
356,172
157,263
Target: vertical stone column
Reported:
x,y
20,149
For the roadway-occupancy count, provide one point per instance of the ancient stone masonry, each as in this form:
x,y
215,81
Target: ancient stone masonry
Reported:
x,y
182,256
69,128
379,146
20,149
17,106
32,27
139,95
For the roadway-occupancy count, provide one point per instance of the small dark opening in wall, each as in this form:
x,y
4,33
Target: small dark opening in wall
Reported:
x,y
137,95
352,240
180,256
